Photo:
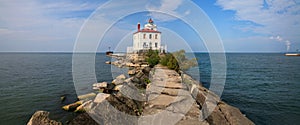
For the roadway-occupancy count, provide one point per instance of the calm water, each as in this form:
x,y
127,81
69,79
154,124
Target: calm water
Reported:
x,y
264,86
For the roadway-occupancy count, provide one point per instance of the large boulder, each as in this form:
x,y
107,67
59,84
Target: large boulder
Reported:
x,y
114,111
125,104
233,115
42,118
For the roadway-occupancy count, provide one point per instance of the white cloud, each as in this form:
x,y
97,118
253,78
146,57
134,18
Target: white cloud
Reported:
x,y
28,25
269,17
278,38
169,6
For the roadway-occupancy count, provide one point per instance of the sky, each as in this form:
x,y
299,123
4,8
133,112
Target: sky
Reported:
x,y
243,26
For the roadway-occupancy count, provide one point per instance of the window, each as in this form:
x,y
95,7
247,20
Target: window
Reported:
x,y
144,45
155,45
155,36
144,36
150,36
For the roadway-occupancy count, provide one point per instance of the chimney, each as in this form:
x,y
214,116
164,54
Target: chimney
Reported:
x,y
139,27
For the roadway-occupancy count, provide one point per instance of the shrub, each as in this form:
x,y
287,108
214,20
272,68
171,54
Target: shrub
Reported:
x,y
177,61
152,57
147,81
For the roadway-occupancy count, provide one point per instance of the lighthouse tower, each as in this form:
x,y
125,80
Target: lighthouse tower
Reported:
x,y
147,38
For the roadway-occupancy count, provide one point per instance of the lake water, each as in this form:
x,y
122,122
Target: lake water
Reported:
x,y
265,87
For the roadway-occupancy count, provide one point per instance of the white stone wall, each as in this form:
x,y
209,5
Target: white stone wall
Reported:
x,y
140,42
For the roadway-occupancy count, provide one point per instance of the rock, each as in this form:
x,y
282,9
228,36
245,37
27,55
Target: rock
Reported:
x,y
62,98
110,86
95,88
42,118
135,65
161,100
188,80
192,117
125,104
71,107
170,85
131,72
166,91
145,65
128,80
139,75
233,115
123,77
100,85
114,111
90,95
200,97
100,90
118,87
119,80
132,65
101,97
83,119
132,92
217,118
83,107
136,80
114,63
146,69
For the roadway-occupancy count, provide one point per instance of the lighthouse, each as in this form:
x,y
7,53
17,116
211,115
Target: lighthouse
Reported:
x,y
147,38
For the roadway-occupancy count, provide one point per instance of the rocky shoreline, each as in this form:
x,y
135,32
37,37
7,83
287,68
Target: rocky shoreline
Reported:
x,y
155,95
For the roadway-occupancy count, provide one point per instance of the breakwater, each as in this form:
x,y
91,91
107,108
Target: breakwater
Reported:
x,y
152,91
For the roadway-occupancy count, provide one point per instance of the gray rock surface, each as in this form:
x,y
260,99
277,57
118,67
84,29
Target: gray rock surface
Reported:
x,y
101,97
188,100
233,115
169,101
42,118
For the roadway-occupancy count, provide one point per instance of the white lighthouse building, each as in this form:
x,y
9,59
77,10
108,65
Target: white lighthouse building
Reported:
x,y
147,38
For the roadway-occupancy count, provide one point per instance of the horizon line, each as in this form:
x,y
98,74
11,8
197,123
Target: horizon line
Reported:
x,y
125,52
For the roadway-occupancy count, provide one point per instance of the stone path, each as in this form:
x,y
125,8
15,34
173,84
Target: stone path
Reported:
x,y
169,101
